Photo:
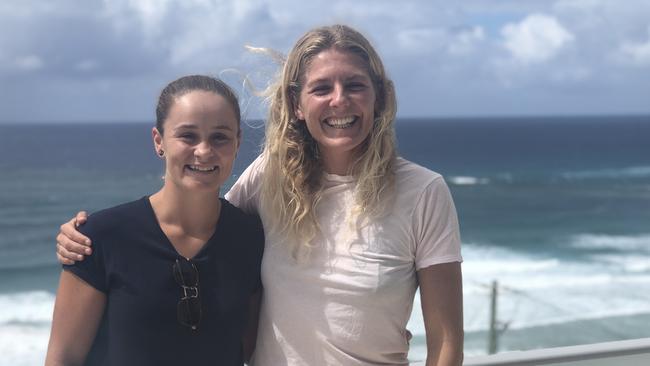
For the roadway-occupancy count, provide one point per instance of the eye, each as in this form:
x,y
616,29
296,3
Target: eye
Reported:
x,y
220,137
357,86
320,89
187,137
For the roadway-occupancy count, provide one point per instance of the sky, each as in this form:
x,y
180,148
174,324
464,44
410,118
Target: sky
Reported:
x,y
106,60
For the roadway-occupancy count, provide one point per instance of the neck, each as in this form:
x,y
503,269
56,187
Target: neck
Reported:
x,y
339,164
194,212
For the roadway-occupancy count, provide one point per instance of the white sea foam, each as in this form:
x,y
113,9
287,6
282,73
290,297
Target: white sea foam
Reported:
x,y
25,327
22,345
467,180
33,307
537,290
618,242
628,172
628,263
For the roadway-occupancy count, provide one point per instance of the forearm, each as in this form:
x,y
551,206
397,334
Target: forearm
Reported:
x,y
54,358
445,353
442,308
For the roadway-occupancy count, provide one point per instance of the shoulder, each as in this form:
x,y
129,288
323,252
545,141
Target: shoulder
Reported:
x,y
418,188
245,192
253,172
242,224
236,215
244,229
118,217
409,174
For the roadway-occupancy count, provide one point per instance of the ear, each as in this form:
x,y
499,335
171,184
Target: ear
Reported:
x,y
297,110
157,140
238,142
299,113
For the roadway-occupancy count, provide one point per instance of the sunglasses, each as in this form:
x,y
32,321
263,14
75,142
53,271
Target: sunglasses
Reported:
x,y
189,307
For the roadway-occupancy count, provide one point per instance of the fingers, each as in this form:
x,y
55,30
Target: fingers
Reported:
x,y
71,245
69,249
69,230
81,218
62,259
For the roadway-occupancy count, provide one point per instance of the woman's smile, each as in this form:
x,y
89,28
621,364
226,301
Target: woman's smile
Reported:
x,y
340,122
337,103
201,169
201,143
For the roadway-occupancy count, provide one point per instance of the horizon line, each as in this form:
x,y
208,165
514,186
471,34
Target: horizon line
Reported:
x,y
434,117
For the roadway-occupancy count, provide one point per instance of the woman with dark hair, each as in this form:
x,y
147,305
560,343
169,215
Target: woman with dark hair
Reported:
x,y
171,275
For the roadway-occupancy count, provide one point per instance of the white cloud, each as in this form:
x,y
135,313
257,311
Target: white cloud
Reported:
x,y
538,38
29,63
637,53
465,40
421,40
150,13
491,50
432,40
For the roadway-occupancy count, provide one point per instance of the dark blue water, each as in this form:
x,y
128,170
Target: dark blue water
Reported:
x,y
555,209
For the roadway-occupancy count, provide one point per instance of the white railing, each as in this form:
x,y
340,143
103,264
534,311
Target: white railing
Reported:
x,y
635,352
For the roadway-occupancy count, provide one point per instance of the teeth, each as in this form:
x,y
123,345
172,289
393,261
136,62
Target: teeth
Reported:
x,y
201,169
341,122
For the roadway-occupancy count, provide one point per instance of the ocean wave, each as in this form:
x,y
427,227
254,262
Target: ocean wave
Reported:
x,y
628,263
26,308
617,242
537,290
525,308
522,177
25,323
461,180
23,345
627,172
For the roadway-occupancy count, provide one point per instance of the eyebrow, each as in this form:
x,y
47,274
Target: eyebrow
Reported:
x,y
348,78
189,126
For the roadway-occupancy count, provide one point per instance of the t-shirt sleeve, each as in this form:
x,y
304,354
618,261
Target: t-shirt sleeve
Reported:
x,y
92,269
436,226
245,193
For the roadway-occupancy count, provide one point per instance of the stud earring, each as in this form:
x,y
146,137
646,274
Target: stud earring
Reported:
x,y
161,153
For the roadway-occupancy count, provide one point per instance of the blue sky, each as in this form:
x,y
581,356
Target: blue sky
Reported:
x,y
93,60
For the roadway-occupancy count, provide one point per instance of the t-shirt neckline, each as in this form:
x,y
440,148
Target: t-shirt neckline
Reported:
x,y
168,242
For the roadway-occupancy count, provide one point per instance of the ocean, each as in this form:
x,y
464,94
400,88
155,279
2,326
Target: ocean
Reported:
x,y
555,209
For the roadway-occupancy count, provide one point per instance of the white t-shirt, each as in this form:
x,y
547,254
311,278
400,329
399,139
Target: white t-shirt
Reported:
x,y
350,301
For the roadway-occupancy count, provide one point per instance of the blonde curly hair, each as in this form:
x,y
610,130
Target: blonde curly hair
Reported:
x,y
291,187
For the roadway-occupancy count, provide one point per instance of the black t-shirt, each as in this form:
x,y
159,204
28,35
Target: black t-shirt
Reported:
x,y
132,264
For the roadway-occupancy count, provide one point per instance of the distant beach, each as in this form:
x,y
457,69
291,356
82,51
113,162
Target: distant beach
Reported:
x,y
556,209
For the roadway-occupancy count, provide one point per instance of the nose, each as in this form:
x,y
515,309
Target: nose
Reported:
x,y
339,96
203,149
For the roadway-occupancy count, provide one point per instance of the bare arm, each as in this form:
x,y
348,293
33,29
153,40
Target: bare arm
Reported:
x,y
71,245
77,312
441,292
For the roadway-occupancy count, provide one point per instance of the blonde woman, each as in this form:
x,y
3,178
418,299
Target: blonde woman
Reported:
x,y
351,229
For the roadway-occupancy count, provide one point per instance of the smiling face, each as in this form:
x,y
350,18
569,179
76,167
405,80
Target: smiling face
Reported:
x,y
337,102
200,141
